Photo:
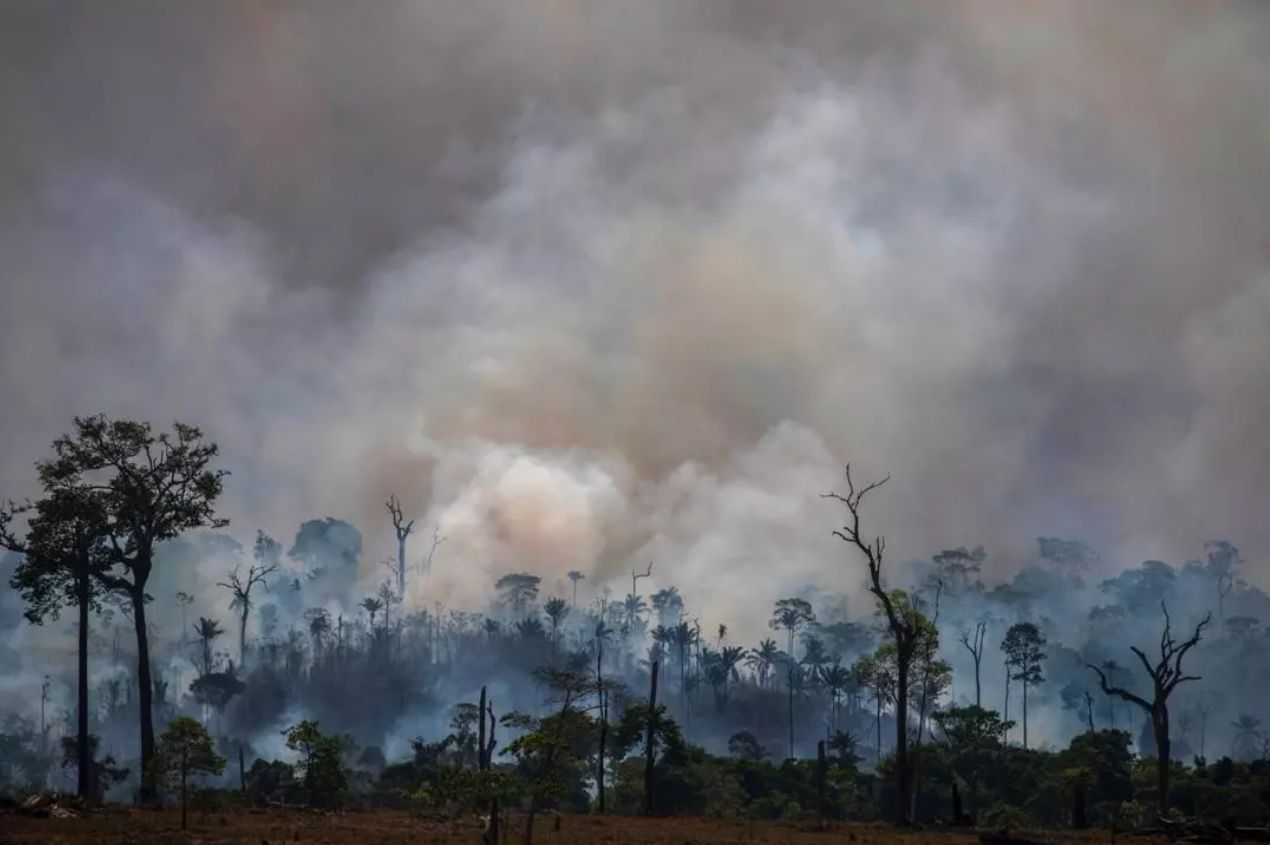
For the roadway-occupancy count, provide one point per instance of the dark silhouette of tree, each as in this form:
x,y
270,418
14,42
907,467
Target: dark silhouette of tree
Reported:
x,y
973,737
906,630
556,609
207,631
1024,647
402,527
959,568
1070,558
519,590
791,616
65,552
184,749
974,644
575,576
268,556
1222,568
326,544
150,488
1166,674
746,746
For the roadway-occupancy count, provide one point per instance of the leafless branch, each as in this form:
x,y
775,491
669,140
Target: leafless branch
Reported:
x,y
399,523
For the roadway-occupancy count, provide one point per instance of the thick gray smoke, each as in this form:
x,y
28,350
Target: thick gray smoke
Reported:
x,y
588,284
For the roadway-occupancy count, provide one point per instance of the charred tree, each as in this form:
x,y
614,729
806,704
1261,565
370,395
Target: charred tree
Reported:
x,y
906,629
650,742
402,527
1166,675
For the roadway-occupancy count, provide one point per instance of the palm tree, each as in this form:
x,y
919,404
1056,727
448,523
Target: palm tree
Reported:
x,y
791,615
207,630
634,607
575,576
1247,736
556,609
372,606
762,659
836,679
668,605
662,637
319,626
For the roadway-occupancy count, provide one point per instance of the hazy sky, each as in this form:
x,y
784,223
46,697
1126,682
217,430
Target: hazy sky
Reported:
x,y
595,282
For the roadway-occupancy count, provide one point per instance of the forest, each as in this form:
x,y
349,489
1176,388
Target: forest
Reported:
x,y
152,649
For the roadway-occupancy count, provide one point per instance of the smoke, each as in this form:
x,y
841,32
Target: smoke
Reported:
x,y
587,285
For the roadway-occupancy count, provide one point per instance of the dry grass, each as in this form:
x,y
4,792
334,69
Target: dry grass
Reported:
x,y
128,826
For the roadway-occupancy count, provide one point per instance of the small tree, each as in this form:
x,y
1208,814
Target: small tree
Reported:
x,y
973,738
549,746
322,770
1024,649
185,748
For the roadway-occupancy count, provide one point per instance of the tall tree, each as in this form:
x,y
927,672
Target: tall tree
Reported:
x,y
150,487
556,609
906,629
974,644
1024,648
575,576
268,555
520,589
791,616
1166,675
402,527
64,553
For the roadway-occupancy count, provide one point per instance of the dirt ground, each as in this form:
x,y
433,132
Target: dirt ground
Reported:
x,y
129,826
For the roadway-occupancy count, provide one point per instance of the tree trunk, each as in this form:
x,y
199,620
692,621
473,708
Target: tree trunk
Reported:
x,y
185,766
1024,715
401,568
604,729
242,637
83,753
878,754
145,690
1163,750
481,762
650,745
791,712
1005,714
822,766
904,772
978,685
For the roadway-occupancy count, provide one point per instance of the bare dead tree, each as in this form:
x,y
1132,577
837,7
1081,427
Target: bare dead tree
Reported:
x,y
1166,674
437,540
403,529
903,621
974,644
394,569
241,589
636,575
